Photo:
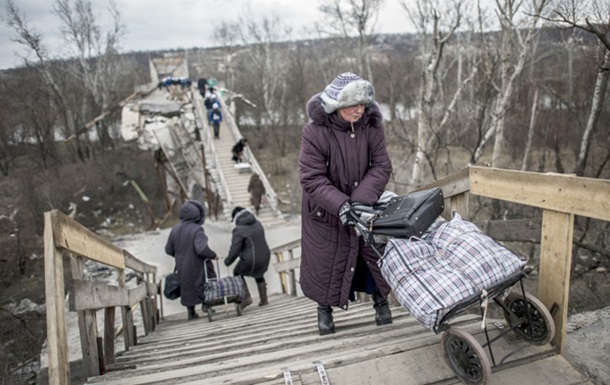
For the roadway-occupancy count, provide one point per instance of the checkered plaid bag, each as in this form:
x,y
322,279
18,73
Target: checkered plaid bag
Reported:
x,y
451,262
216,290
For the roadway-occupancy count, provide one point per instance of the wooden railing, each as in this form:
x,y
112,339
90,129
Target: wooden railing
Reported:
x,y
286,265
560,197
62,235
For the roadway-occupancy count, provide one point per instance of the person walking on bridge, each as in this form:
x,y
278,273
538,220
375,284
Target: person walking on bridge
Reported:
x,y
188,244
257,190
215,118
248,243
343,161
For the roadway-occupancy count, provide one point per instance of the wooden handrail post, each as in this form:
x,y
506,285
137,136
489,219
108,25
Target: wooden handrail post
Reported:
x,y
59,366
555,266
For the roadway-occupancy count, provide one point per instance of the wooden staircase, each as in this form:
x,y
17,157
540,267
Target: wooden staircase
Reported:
x,y
233,184
279,344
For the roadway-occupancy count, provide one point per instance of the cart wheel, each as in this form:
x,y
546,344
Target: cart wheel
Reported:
x,y
238,308
210,312
466,357
542,328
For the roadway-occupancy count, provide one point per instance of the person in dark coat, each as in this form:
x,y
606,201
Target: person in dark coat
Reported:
x,y
249,244
215,118
256,188
188,244
238,150
343,160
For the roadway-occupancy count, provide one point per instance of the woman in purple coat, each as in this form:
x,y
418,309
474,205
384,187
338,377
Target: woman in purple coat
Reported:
x,y
188,244
343,160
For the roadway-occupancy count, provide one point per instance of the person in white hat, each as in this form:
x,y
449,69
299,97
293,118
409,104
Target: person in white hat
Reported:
x,y
343,160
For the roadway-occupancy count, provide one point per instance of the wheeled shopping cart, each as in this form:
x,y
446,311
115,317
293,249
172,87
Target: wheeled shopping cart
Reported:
x,y
450,269
222,291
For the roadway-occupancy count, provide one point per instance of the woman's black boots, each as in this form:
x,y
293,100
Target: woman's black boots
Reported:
x,y
326,325
192,314
262,293
383,315
247,300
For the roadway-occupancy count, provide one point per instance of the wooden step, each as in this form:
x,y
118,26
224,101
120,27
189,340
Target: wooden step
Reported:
x,y
254,348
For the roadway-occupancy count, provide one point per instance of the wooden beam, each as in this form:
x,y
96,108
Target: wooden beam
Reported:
x,y
59,364
453,184
287,246
587,197
555,266
285,266
76,238
97,295
137,294
135,264
109,349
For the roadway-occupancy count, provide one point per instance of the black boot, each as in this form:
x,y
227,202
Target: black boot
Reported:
x,y
326,325
262,293
247,300
383,315
192,314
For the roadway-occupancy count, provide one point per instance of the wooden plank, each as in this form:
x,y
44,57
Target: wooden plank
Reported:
x,y
453,184
554,370
74,237
59,365
137,294
564,193
152,289
457,203
288,265
138,265
555,266
87,322
287,246
95,295
109,317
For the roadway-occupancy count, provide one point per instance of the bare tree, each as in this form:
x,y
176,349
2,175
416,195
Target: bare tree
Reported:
x,y
592,17
265,70
96,51
516,43
436,23
43,63
353,17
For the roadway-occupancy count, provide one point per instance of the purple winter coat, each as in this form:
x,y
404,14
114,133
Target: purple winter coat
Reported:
x,y
338,162
188,244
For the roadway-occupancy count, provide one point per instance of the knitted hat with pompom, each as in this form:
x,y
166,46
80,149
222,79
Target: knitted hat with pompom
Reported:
x,y
347,90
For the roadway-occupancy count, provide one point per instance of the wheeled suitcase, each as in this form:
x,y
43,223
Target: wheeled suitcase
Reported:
x,y
222,291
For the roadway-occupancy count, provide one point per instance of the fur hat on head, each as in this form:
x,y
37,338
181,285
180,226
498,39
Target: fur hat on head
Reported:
x,y
347,90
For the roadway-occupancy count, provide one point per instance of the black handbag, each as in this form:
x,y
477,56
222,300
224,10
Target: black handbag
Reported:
x,y
171,289
409,215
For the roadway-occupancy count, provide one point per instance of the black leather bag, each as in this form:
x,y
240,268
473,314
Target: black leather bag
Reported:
x,y
171,288
409,215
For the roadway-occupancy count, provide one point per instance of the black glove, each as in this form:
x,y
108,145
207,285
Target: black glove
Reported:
x,y
344,213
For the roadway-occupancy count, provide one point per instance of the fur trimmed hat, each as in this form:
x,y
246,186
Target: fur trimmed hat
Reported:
x,y
347,90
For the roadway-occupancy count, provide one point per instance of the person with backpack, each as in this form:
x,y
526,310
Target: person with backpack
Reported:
x,y
215,118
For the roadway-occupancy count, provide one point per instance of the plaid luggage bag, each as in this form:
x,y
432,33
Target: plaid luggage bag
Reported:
x,y
216,291
451,262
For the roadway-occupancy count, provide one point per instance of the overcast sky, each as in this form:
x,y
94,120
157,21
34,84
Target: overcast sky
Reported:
x,y
166,24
